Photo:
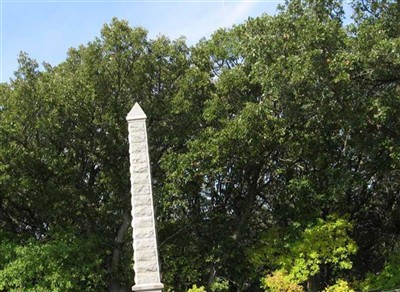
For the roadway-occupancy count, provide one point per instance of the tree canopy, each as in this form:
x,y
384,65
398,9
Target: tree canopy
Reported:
x,y
275,151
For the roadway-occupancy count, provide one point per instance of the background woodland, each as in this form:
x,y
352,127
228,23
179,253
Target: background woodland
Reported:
x,y
275,149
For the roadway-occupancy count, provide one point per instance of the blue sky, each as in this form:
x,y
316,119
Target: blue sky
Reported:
x,y
46,29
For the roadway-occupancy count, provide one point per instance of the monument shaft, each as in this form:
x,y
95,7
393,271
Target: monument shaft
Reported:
x,y
146,266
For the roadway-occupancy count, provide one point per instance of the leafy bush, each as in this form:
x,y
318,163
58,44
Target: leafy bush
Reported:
x,y
220,285
197,289
340,286
325,242
388,278
60,264
280,281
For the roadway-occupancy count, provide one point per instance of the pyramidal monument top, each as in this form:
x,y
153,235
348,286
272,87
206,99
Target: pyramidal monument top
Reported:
x,y
136,113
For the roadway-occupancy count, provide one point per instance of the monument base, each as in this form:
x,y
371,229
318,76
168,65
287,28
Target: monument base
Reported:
x,y
156,287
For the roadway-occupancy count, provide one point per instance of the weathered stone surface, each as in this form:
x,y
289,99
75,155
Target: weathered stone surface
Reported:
x,y
142,200
139,151
143,222
141,211
139,139
138,158
147,275
143,244
137,126
140,178
147,255
145,266
140,167
142,189
147,232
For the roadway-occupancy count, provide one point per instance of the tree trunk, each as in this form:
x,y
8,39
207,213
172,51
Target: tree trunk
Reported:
x,y
114,285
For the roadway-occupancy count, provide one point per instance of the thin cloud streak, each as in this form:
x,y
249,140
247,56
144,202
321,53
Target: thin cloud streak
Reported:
x,y
238,13
224,15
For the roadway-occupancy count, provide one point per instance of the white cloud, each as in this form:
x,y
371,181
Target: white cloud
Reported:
x,y
218,15
238,12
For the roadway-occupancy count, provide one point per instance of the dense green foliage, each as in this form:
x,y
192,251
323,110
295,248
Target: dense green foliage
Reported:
x,y
275,150
323,248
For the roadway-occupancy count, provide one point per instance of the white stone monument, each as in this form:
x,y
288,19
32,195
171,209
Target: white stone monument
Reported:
x,y
147,273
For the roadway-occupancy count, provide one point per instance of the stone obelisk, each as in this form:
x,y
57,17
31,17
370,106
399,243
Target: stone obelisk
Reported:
x,y
147,273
